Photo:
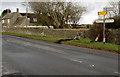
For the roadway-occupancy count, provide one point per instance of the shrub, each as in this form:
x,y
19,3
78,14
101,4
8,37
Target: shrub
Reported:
x,y
95,30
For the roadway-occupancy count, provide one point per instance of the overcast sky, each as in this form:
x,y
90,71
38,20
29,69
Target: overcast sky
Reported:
x,y
93,6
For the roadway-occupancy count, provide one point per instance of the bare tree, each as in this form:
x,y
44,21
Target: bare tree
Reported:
x,y
58,14
114,4
115,14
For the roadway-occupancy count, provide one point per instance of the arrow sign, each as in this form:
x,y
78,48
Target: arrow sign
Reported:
x,y
102,13
106,21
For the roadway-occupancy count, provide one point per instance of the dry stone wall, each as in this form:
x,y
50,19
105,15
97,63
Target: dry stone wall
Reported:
x,y
66,33
113,36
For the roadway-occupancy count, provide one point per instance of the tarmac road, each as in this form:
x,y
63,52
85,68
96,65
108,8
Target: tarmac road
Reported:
x,y
34,57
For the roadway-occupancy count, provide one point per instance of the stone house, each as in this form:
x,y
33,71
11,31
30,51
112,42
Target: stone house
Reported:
x,y
16,19
32,18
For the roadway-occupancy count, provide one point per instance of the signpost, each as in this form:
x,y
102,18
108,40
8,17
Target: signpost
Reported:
x,y
103,13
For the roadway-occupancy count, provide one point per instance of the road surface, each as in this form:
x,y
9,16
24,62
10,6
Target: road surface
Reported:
x,y
35,57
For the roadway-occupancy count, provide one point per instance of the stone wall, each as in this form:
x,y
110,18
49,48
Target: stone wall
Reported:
x,y
66,33
112,37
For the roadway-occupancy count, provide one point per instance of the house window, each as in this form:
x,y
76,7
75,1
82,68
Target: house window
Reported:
x,y
34,19
8,20
3,21
29,19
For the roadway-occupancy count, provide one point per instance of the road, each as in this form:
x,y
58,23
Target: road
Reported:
x,y
35,57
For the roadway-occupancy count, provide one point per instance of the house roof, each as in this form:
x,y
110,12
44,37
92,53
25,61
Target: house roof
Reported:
x,y
19,20
29,15
9,15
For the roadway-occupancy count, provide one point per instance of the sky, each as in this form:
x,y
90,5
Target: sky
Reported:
x,y
92,6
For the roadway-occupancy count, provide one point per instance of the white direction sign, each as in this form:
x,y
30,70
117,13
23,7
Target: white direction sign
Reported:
x,y
108,8
106,21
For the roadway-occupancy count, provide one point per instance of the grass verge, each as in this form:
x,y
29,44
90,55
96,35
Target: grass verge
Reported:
x,y
44,38
83,42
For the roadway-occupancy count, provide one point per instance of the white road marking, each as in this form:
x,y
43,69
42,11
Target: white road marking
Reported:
x,y
116,72
6,72
80,61
92,65
7,40
77,61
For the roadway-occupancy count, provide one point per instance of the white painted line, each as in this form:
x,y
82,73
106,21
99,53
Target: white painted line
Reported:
x,y
92,65
116,72
77,61
6,72
7,40
80,61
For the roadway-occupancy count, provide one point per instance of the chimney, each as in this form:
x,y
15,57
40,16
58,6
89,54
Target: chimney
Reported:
x,y
17,10
8,11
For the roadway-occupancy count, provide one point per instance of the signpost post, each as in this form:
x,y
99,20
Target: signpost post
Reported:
x,y
104,36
